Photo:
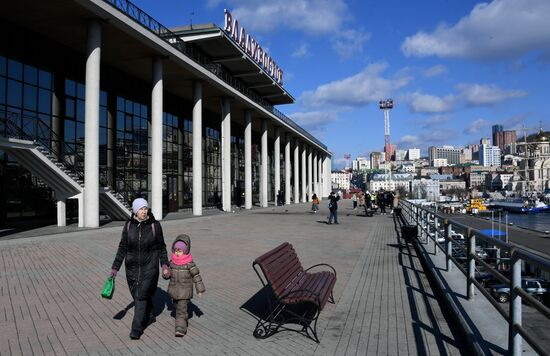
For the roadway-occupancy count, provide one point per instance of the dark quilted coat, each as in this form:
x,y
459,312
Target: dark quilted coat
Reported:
x,y
143,252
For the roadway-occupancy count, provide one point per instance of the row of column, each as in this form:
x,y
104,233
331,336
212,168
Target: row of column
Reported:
x,y
315,180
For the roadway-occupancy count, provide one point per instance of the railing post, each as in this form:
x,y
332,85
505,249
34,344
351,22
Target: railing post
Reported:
x,y
514,338
436,233
448,244
470,287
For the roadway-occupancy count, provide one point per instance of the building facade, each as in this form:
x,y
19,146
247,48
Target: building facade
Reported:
x,y
98,94
489,156
450,153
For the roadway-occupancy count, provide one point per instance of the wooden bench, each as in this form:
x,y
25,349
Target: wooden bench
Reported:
x,y
299,295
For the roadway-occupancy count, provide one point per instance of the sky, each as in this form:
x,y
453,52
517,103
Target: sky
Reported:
x,y
453,68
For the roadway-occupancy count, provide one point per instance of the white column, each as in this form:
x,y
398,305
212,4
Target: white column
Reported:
x,y
328,170
226,154
296,172
197,148
277,165
264,164
287,170
61,212
247,160
156,139
309,174
304,173
315,183
320,176
91,127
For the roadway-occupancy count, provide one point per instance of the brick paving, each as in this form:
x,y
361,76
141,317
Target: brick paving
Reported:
x,y
50,290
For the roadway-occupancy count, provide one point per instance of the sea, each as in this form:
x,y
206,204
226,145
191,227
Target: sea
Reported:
x,y
535,221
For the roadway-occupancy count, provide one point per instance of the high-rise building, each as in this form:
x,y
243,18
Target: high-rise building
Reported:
x,y
495,130
375,159
485,141
400,155
413,153
448,152
360,163
489,155
465,155
503,138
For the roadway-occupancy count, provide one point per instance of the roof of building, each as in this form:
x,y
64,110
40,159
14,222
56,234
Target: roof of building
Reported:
x,y
224,51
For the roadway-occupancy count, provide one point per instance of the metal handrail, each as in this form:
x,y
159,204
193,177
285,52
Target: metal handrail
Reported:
x,y
197,55
421,216
33,128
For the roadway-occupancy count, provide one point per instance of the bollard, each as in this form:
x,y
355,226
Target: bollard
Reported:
x,y
514,337
470,287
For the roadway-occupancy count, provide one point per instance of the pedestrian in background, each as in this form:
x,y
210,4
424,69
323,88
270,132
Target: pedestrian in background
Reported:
x,y
314,203
333,208
142,249
354,200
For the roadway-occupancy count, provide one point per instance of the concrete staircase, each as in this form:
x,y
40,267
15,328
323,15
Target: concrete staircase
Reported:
x,y
67,183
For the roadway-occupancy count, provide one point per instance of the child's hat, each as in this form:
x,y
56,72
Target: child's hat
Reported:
x,y
181,245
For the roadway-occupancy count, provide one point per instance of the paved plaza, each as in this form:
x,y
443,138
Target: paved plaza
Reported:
x,y
50,290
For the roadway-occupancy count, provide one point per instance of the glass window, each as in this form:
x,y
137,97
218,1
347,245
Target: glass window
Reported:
x,y
15,91
45,101
2,90
69,108
70,87
79,132
2,65
45,79
69,130
15,69
80,91
120,104
30,75
103,116
103,98
30,96
80,110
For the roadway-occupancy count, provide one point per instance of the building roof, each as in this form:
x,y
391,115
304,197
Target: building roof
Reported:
x,y
224,51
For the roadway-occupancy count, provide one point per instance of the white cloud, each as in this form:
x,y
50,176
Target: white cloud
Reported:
x,y
495,30
314,120
436,120
435,71
301,51
310,16
407,140
349,43
425,103
476,126
360,89
483,94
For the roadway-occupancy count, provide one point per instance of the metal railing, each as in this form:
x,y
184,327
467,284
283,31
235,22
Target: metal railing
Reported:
x,y
428,222
32,128
197,55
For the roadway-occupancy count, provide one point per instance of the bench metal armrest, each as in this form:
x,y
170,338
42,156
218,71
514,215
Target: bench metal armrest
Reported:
x,y
322,264
263,280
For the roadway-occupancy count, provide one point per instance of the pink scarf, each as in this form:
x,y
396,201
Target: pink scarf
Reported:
x,y
181,260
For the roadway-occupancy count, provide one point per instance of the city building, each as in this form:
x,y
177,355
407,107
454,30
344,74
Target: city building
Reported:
x,y
450,153
361,164
504,138
408,168
376,158
400,155
98,93
476,180
424,189
340,180
413,154
489,155
396,180
536,165
485,141
439,162
465,155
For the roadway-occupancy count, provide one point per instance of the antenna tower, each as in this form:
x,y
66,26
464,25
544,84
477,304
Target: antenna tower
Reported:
x,y
386,106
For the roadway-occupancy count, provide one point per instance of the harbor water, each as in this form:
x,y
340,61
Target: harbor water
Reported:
x,y
536,221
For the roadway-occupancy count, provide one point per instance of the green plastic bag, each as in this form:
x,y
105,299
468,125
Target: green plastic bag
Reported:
x,y
108,288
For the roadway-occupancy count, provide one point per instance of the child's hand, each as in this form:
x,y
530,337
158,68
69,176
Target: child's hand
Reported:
x,y
166,273
199,294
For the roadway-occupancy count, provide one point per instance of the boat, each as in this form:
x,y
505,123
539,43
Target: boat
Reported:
x,y
521,205
476,206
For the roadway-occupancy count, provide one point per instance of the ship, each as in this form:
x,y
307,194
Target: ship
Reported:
x,y
476,206
521,205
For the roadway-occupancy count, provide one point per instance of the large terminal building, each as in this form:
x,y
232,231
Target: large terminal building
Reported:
x,y
100,103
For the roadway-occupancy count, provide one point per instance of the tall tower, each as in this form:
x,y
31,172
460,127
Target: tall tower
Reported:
x,y
386,106
347,156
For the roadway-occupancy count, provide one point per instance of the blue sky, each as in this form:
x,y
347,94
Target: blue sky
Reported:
x,y
452,67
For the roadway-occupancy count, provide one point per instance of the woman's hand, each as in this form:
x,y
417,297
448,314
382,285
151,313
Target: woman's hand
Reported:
x,y
165,273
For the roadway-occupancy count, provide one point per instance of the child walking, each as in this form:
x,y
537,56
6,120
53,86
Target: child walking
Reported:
x,y
183,274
